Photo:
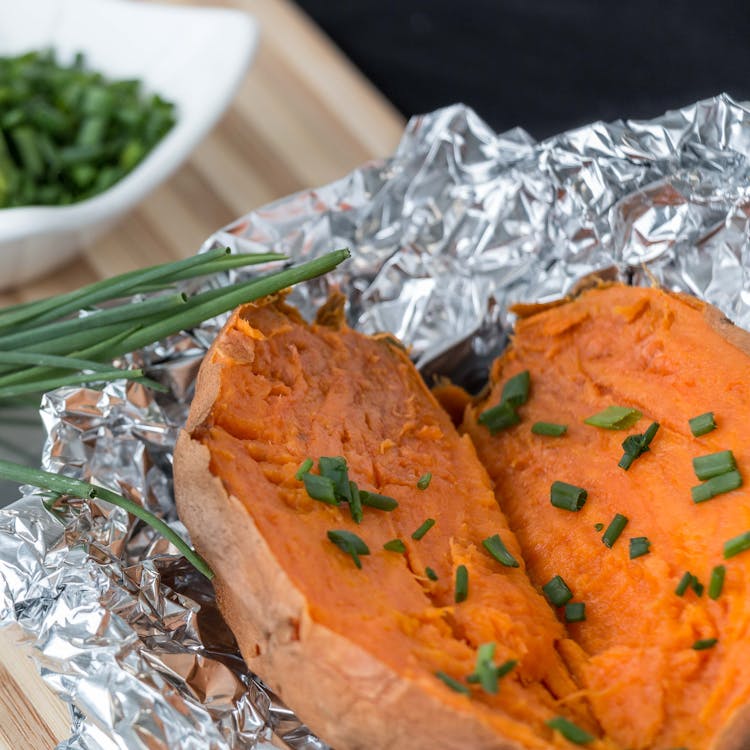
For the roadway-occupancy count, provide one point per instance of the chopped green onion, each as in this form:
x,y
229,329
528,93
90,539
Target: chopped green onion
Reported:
x,y
716,583
516,389
639,546
685,581
335,469
499,417
615,418
304,468
616,527
506,667
424,481
485,671
567,496
572,732
494,545
575,612
702,424
395,545
705,643
716,486
462,584
452,684
697,586
736,545
430,573
423,529
355,502
349,543
557,591
381,502
598,526
549,428
714,464
320,488
636,445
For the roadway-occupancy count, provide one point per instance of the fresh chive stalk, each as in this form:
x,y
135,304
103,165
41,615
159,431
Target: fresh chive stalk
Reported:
x,y
570,731
737,545
423,529
424,481
716,584
614,418
335,469
575,612
551,429
395,545
462,584
557,591
567,496
718,485
705,643
515,393
516,389
430,573
495,546
320,488
639,546
355,503
381,502
714,464
616,527
304,468
636,445
452,683
702,424
62,485
684,583
349,543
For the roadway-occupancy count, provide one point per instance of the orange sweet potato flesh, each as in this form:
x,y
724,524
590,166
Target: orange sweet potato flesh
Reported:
x,y
355,651
672,358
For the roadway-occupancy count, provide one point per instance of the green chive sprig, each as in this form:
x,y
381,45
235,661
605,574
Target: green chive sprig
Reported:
x,y
718,485
716,584
572,732
374,500
714,464
737,545
430,573
614,418
575,612
453,683
62,485
639,546
636,445
462,584
550,429
423,529
349,543
515,393
495,546
557,591
567,496
304,468
704,643
702,424
395,545
616,527
486,673
424,481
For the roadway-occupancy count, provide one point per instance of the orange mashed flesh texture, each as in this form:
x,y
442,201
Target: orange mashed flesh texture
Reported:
x,y
291,391
655,352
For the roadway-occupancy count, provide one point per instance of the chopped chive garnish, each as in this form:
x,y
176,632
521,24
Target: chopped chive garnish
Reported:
x,y
320,488
716,486
636,445
485,672
575,612
395,545
516,389
494,545
572,732
505,667
598,526
424,481
335,469
639,546
737,544
702,424
716,583
349,543
685,581
549,428
697,586
431,574
557,591
705,643
355,502
499,417
304,468
381,502
614,418
452,683
462,584
567,496
423,529
714,464
616,527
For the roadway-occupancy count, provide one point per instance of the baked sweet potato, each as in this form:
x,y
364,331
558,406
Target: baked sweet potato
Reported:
x,y
661,669
375,656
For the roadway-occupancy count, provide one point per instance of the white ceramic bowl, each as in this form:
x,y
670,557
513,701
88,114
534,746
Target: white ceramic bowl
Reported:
x,y
194,57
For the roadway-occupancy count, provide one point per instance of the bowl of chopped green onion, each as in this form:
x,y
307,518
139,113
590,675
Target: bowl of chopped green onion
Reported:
x,y
100,101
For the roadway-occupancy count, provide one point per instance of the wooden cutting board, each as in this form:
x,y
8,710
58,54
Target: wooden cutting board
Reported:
x,y
303,117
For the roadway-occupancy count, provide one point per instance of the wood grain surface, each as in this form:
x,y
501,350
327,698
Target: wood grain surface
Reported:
x,y
304,116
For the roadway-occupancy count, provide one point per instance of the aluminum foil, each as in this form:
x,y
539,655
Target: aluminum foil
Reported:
x,y
459,224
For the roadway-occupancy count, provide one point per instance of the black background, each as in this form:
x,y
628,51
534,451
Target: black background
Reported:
x,y
547,65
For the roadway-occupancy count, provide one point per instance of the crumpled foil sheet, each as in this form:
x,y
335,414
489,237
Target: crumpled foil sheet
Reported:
x,y
456,226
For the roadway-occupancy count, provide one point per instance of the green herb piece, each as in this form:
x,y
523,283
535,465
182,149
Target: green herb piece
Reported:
x,y
424,481
320,488
614,418
495,546
349,543
423,529
567,496
549,428
575,612
100,376
499,417
355,503
705,643
716,486
702,424
452,683
395,545
304,468
335,469
616,527
431,574
572,732
485,671
716,584
62,485
639,546
381,502
685,581
462,584
714,464
736,545
557,591
506,667
697,586
636,445
598,526
516,389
